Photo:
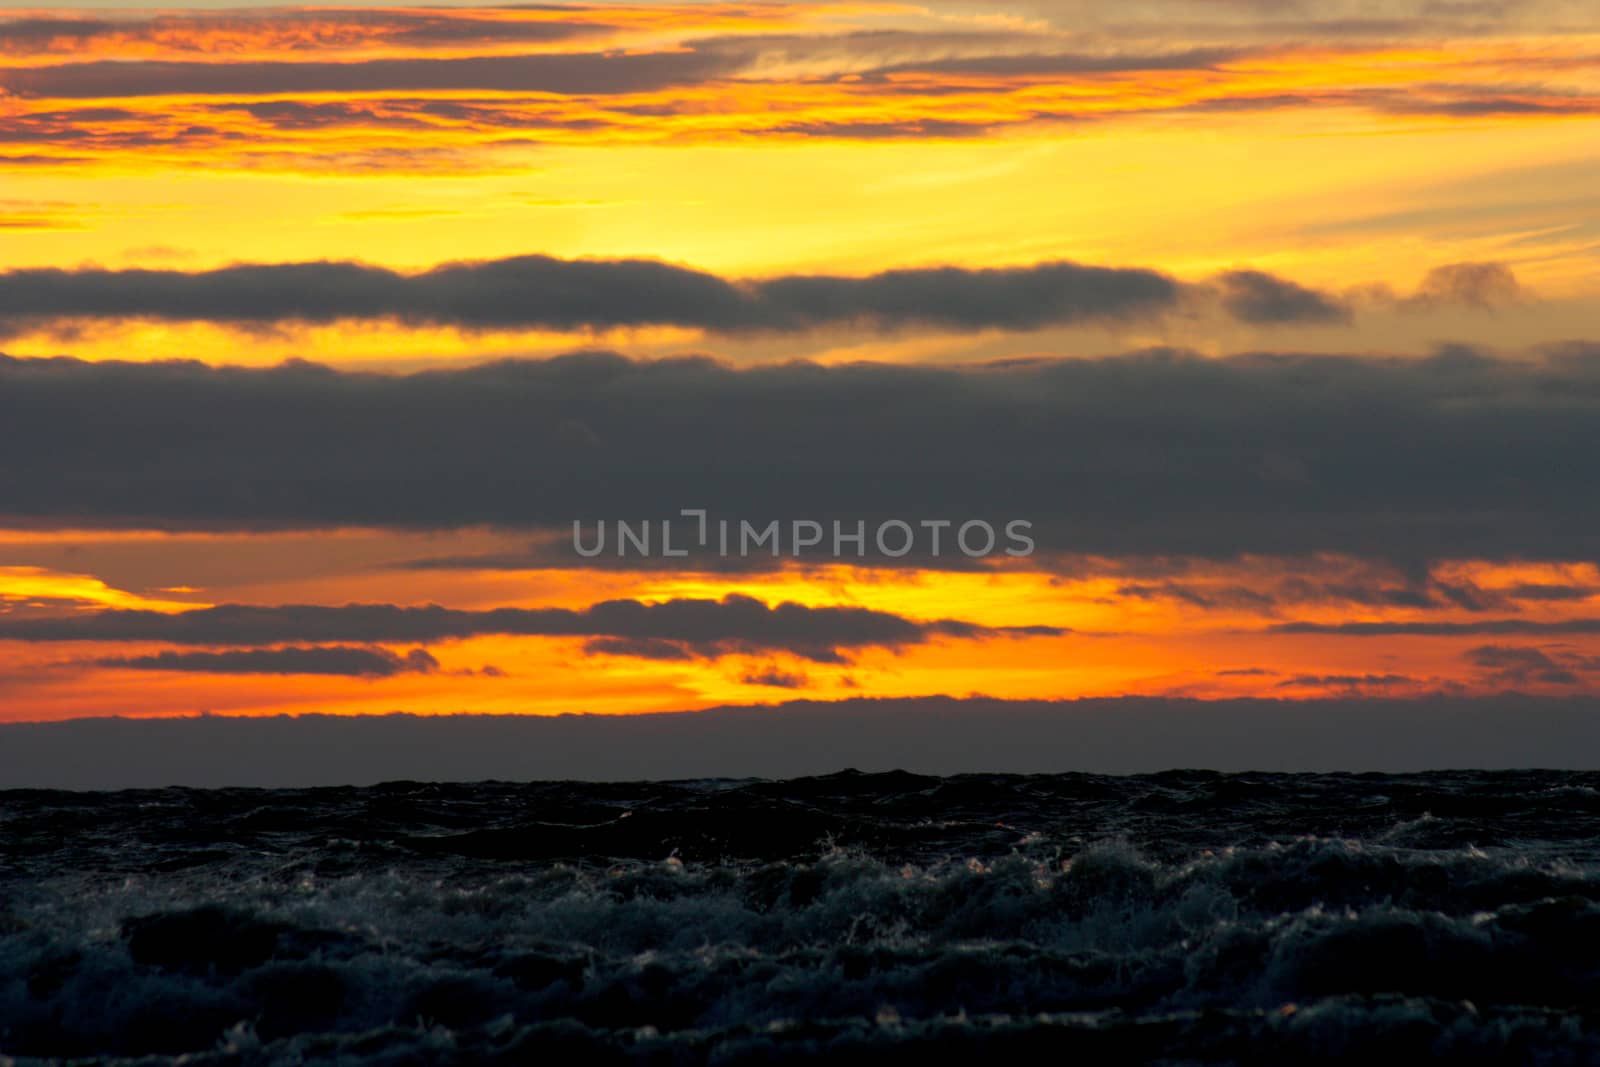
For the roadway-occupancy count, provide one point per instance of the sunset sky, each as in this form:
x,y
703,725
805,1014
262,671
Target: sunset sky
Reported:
x,y
321,325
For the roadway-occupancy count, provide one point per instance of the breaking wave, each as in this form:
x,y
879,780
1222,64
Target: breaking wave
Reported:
x,y
1184,917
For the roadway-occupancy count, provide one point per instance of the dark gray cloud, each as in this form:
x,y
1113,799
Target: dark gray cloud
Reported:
x,y
325,114
1552,592
39,33
1516,665
1484,627
575,73
36,160
343,660
1347,681
673,629
405,113
1252,296
1480,285
525,292
1423,591
285,30
100,129
1055,64
876,54
959,298
638,648
933,735
775,677
1233,597
1155,453
1479,106
882,131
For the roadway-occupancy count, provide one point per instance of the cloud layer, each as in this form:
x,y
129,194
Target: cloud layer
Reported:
x,y
537,292
540,292
452,89
673,629
341,660
1457,455
931,736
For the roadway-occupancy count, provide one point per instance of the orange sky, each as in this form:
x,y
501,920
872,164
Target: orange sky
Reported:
x,y
1209,633
1350,155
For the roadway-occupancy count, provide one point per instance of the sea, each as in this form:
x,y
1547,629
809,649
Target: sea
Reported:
x,y
1178,918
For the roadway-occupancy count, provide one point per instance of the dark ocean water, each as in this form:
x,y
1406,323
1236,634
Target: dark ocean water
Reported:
x,y
1178,918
